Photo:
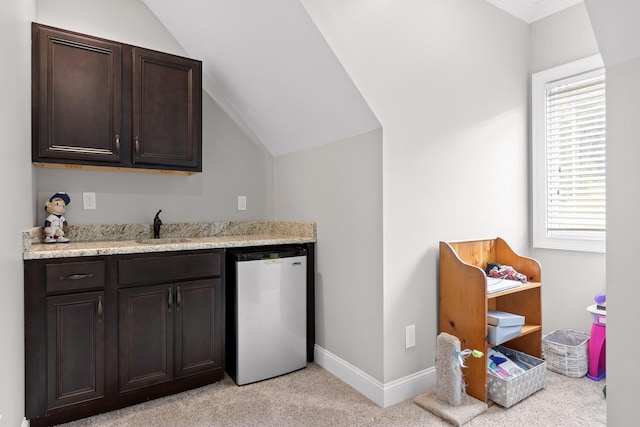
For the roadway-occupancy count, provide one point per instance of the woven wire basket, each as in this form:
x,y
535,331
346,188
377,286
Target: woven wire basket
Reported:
x,y
567,352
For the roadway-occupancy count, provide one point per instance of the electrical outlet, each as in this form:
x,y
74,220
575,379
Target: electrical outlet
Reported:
x,y
89,200
410,336
242,203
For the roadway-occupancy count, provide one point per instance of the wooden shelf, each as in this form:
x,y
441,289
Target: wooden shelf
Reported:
x,y
525,286
529,329
464,302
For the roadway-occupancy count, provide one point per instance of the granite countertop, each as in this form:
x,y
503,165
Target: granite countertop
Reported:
x,y
91,240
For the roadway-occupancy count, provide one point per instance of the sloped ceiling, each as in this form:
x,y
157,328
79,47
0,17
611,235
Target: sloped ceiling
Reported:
x,y
276,73
274,68
532,10
615,24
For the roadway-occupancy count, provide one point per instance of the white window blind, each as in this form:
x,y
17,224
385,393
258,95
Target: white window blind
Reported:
x,y
569,156
576,168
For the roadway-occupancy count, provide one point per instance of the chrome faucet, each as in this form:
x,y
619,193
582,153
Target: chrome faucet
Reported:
x,y
156,225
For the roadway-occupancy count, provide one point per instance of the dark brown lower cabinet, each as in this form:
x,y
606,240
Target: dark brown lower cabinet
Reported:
x,y
168,331
146,336
197,332
76,349
106,332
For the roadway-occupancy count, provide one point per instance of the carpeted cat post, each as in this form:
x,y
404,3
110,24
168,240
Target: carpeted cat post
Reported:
x,y
448,399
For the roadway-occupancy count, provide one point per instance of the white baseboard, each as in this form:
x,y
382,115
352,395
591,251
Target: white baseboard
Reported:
x,y
382,394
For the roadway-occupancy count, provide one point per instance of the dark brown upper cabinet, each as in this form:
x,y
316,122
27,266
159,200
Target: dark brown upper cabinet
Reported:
x,y
103,104
167,117
77,106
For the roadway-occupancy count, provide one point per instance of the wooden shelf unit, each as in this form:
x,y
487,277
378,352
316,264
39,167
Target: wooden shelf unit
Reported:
x,y
463,302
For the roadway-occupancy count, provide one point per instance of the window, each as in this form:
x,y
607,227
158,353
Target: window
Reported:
x,y
569,147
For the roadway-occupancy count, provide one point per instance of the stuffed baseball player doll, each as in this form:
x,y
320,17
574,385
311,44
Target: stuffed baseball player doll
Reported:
x,y
55,225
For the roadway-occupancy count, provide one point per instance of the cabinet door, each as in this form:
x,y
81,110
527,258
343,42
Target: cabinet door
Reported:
x,y
75,348
198,326
145,336
167,110
76,97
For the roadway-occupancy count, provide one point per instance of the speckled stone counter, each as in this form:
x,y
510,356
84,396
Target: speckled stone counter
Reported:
x,y
90,240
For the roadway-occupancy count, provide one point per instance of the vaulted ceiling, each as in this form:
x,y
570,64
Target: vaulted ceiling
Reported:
x,y
615,24
272,65
531,10
277,76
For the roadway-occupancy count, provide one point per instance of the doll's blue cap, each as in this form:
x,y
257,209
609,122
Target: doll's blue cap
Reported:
x,y
63,196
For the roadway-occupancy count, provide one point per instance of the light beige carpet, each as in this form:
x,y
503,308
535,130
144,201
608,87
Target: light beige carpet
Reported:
x,y
314,397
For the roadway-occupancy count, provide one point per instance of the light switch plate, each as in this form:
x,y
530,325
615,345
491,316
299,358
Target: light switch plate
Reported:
x,y
242,203
410,336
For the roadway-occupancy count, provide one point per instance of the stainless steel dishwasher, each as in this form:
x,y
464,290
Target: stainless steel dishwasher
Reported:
x,y
267,294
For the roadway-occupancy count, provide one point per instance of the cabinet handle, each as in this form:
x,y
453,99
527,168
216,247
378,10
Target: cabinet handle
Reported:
x,y
99,309
117,145
178,298
137,146
76,277
170,301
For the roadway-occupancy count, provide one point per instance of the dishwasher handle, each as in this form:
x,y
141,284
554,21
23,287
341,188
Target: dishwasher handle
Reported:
x,y
267,255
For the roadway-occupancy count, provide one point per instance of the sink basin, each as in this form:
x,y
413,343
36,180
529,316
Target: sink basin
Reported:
x,y
164,241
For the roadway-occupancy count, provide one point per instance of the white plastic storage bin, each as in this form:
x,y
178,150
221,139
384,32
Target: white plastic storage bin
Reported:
x,y
567,352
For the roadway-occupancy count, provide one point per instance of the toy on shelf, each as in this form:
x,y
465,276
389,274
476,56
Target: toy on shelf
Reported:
x,y
55,225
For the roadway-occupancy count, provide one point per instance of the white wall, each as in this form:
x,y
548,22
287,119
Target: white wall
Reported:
x,y
615,25
339,186
623,233
571,279
16,174
560,38
448,83
232,164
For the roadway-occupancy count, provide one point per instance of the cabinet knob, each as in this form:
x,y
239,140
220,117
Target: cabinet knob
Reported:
x,y
99,309
170,299
178,298
137,146
118,145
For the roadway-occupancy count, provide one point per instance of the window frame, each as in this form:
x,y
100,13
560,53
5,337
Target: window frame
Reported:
x,y
587,241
